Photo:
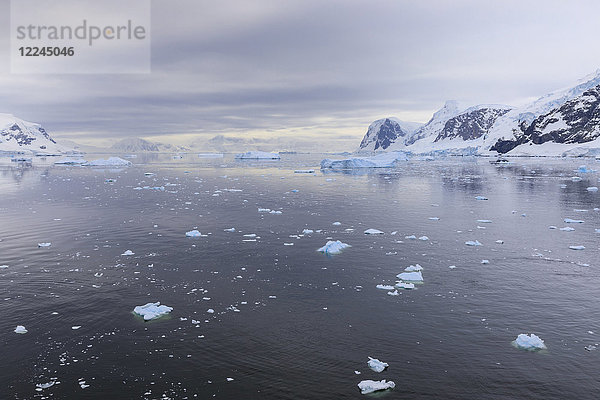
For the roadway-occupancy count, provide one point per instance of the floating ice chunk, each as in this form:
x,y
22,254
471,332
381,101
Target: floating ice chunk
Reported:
x,y
393,293
307,231
152,310
377,365
110,162
529,342
229,379
592,189
264,210
229,230
584,169
484,221
413,237
45,385
257,155
47,244
573,221
423,238
76,327
210,311
304,171
577,247
413,268
415,276
434,218
405,285
576,178
333,247
499,241
3,266
552,227
567,229
372,231
288,244
20,329
369,386
591,347
597,230
337,223
275,212
128,253
480,198
384,160
385,287
194,233
452,266
485,261
473,243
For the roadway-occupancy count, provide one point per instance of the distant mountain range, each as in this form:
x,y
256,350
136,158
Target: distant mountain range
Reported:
x,y
565,122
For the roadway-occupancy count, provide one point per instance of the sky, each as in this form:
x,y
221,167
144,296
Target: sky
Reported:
x,y
310,75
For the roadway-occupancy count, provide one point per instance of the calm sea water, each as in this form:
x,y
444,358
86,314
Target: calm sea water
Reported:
x,y
290,322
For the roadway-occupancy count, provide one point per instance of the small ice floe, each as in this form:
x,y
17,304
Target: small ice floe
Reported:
x,y
576,178
377,365
393,293
357,372
415,276
434,218
484,221
128,253
485,261
500,241
529,342
152,310
288,244
597,230
265,210
573,221
229,230
193,233
413,268
372,231
424,238
307,231
275,212
412,237
333,247
552,227
20,329
41,386
592,189
82,384
452,266
584,169
369,386
46,244
210,311
109,162
337,223
579,247
567,229
591,347
385,287
3,266
76,327
304,171
473,243
480,198
405,285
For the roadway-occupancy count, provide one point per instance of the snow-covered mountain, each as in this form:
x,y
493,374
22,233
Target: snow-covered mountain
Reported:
x,y
18,136
138,145
565,117
383,132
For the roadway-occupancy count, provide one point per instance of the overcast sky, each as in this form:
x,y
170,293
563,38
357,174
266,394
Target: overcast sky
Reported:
x,y
312,74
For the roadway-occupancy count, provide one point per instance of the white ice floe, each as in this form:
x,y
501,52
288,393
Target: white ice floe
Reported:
x,y
552,227
529,342
3,266
573,221
473,243
499,241
337,223
484,221
47,244
405,285
567,229
193,233
579,247
485,261
597,230
110,162
393,293
229,230
385,287
20,329
46,385
412,268
372,231
415,276
333,247
128,253
592,189
265,210
258,155
413,237
369,386
152,310
210,311
307,231
480,198
377,365
423,238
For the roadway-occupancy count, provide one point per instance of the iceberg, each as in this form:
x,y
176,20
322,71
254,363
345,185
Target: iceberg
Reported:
x,y
385,287
109,162
307,231
128,253
405,285
373,232
415,276
529,342
152,310
369,386
333,247
385,160
194,233
376,365
20,329
257,155
413,268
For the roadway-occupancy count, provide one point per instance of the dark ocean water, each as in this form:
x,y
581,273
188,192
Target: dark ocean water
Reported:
x,y
290,322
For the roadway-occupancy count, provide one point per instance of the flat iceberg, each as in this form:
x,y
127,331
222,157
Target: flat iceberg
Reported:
x,y
333,247
405,285
529,342
415,276
194,233
20,329
369,386
377,365
373,232
152,310
109,162
385,160
577,247
256,155
573,221
385,287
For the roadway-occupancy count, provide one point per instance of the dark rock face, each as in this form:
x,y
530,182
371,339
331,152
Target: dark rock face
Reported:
x,y
17,133
470,125
387,134
576,121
